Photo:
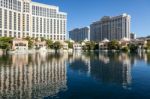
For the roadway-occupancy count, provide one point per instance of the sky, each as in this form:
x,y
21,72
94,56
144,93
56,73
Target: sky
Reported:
x,y
82,13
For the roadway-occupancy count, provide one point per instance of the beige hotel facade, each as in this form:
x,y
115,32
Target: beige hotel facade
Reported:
x,y
111,28
22,18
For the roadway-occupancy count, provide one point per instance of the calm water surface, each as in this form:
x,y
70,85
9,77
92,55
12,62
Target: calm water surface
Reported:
x,y
75,76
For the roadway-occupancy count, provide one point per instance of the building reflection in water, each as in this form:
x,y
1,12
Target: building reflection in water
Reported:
x,y
32,76
39,75
108,67
105,67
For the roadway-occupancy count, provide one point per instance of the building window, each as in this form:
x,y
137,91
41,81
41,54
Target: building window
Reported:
x,y
19,6
0,17
14,20
37,25
47,25
19,22
51,26
60,26
15,34
54,26
10,20
33,24
44,26
27,22
0,32
5,19
41,25
5,33
10,34
19,35
57,26
23,22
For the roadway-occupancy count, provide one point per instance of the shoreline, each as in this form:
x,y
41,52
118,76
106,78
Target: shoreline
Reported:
x,y
4,51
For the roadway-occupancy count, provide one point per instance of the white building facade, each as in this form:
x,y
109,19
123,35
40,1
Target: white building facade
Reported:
x,y
22,18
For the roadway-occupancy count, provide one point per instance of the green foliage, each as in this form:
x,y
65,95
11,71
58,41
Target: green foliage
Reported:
x,y
148,44
89,46
125,49
133,47
70,44
57,45
96,46
49,43
114,45
36,39
30,42
5,42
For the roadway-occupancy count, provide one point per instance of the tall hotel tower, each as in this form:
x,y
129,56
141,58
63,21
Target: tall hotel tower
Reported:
x,y
80,34
22,18
112,28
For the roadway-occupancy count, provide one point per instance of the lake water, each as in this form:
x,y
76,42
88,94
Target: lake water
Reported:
x,y
97,75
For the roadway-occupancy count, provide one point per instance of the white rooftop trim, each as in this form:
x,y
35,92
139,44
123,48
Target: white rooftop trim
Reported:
x,y
105,40
64,13
125,39
45,5
86,40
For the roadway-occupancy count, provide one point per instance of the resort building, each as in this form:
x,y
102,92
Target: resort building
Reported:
x,y
103,45
77,46
112,28
41,45
22,18
19,44
124,42
80,34
141,43
64,45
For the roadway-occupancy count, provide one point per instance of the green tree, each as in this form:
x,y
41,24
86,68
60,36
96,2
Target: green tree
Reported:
x,y
70,44
148,44
89,46
125,49
57,45
49,43
114,45
133,48
36,39
30,42
6,42
96,47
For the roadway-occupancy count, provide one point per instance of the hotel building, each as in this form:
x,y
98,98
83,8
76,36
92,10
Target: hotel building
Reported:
x,y
22,18
112,28
80,34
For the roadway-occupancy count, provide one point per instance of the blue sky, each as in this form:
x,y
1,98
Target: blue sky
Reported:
x,y
83,12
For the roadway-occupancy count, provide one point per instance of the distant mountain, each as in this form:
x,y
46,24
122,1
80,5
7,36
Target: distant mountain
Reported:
x,y
144,37
148,36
